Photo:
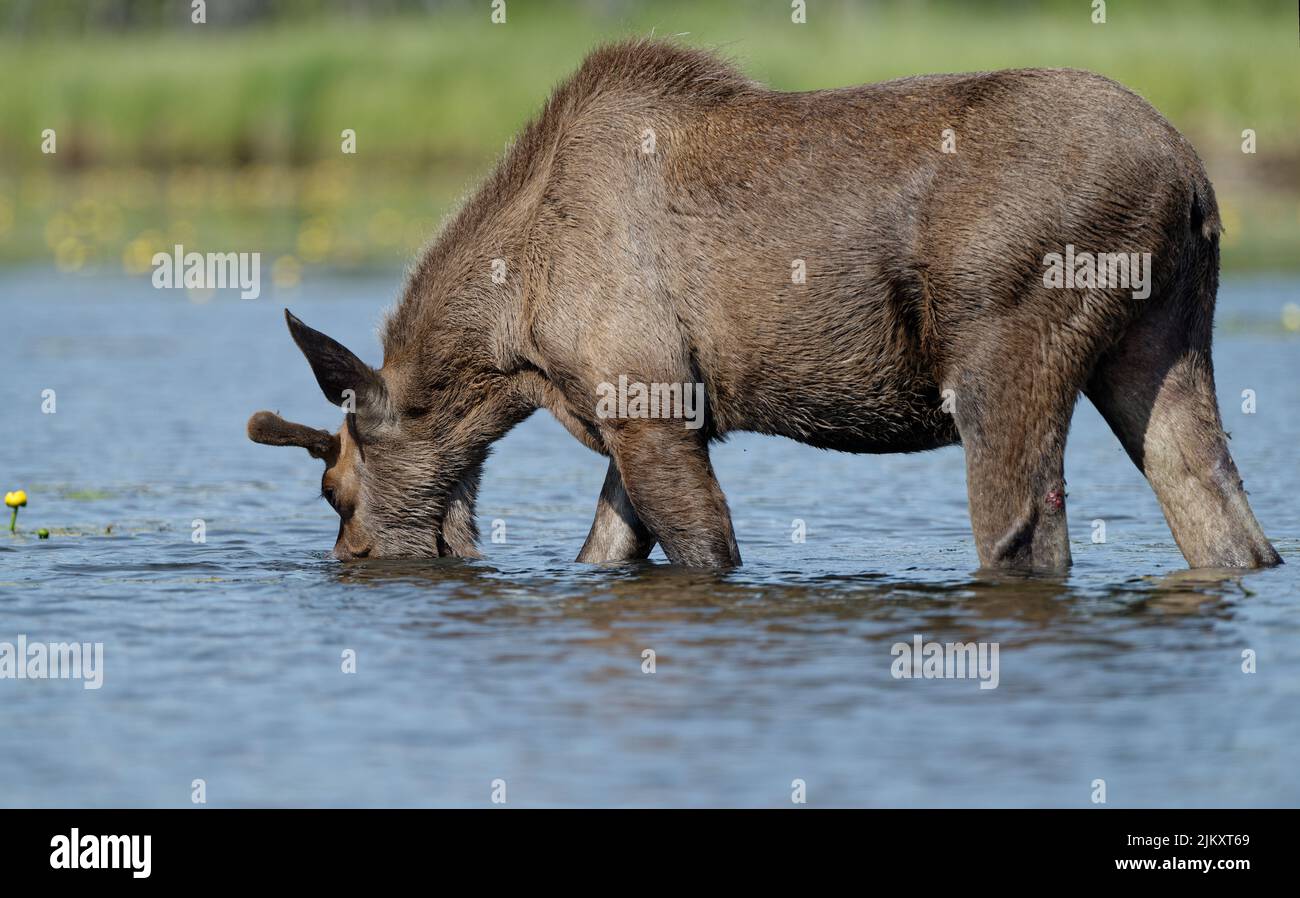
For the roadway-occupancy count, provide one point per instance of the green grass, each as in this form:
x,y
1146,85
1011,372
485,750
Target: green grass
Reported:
x,y
193,116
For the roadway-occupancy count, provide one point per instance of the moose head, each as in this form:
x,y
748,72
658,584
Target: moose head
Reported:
x,y
402,471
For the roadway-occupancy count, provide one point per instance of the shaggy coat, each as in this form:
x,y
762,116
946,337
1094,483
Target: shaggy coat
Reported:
x,y
860,269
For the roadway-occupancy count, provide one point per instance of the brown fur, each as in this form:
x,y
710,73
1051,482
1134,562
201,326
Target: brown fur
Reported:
x,y
924,275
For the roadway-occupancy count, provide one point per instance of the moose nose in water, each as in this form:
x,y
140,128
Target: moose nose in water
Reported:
x,y
343,553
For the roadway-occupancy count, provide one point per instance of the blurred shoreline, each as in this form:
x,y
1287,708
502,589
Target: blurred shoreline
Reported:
x,y
228,135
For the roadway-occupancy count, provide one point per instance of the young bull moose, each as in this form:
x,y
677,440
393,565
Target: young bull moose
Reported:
x,y
859,269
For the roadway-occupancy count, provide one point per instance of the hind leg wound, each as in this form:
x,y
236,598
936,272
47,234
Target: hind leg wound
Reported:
x,y
1017,504
1013,418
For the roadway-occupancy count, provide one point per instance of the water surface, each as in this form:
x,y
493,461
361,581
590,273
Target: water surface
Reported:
x,y
222,659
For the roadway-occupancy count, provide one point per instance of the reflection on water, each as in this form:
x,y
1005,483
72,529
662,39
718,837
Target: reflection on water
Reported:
x,y
223,659
653,591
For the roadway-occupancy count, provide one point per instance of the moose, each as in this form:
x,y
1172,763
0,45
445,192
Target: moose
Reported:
x,y
858,269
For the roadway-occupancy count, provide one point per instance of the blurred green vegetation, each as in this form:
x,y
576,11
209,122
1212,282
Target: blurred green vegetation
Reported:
x,y
226,135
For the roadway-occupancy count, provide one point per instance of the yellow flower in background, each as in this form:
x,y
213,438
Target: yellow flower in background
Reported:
x,y
37,189
323,186
1231,224
137,258
70,254
6,215
315,240
57,229
385,227
286,272
1291,316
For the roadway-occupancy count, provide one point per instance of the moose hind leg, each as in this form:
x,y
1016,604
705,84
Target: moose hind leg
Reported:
x,y
617,533
1013,415
1015,484
667,474
1156,390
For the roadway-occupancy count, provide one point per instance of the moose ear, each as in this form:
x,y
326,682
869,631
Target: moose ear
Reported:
x,y
272,430
342,376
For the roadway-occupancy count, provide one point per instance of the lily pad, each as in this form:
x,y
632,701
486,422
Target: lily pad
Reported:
x,y
87,495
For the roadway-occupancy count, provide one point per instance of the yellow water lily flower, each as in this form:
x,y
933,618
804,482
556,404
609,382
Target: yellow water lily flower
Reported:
x,y
15,500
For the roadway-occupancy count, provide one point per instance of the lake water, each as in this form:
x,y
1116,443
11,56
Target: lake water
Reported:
x,y
222,660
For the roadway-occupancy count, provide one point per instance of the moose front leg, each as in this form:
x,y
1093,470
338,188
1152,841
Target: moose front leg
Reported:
x,y
667,475
617,534
459,534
